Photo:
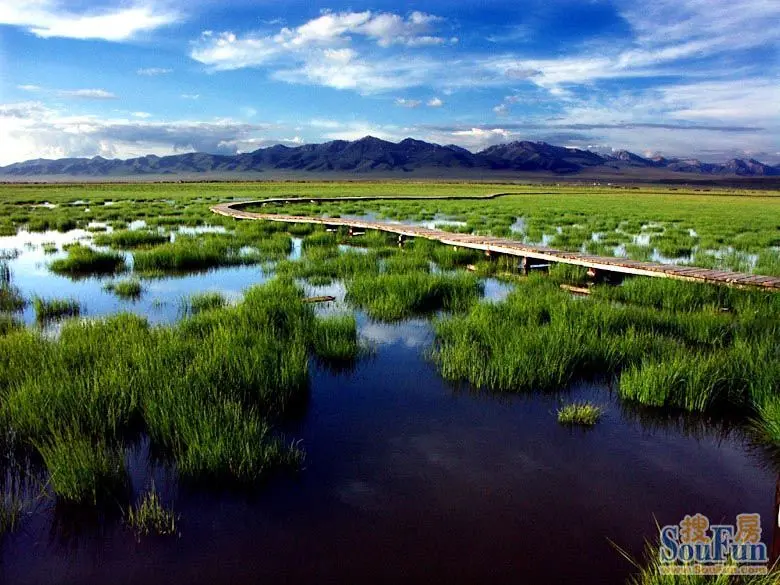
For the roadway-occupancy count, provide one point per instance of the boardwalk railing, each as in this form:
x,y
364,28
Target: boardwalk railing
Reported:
x,y
499,246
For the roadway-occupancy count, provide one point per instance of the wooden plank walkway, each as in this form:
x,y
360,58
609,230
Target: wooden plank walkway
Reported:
x,y
500,246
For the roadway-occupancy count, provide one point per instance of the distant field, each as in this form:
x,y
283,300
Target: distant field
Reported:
x,y
734,229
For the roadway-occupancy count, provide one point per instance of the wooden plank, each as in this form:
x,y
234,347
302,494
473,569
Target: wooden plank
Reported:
x,y
535,254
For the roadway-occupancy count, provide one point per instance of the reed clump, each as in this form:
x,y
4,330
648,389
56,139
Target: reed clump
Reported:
x,y
395,296
48,309
206,390
126,289
580,413
84,471
679,351
150,517
127,239
83,261
206,301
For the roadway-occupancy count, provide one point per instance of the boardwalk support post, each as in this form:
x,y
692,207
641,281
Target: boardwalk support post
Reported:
x,y
527,264
401,240
600,276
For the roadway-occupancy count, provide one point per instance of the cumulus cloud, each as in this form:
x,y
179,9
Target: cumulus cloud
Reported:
x,y
53,18
331,50
33,130
434,102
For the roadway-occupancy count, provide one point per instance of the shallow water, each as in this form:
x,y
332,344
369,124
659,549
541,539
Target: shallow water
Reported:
x,y
408,479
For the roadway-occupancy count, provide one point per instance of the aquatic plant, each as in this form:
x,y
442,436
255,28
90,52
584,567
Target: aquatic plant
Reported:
x,y
206,389
206,301
395,296
150,517
125,289
82,260
541,339
46,309
649,573
127,239
334,339
580,413
192,253
84,471
11,511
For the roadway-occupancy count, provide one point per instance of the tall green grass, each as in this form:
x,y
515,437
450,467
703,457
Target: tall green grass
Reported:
x,y
395,296
82,261
84,471
125,289
695,357
192,253
206,390
150,517
126,239
47,309
650,573
201,302
11,299
334,339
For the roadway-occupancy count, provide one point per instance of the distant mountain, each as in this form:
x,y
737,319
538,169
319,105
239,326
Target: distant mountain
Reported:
x,y
373,155
536,156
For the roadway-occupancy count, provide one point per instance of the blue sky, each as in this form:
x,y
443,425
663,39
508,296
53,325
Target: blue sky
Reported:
x,y
119,79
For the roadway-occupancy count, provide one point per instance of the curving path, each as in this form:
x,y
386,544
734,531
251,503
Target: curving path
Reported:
x,y
529,255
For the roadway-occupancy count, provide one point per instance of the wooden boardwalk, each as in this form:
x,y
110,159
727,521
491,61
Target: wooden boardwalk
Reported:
x,y
529,255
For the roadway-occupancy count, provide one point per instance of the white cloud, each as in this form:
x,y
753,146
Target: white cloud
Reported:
x,y
325,51
142,115
346,69
434,102
88,94
385,28
33,130
52,18
406,103
190,96
667,33
153,71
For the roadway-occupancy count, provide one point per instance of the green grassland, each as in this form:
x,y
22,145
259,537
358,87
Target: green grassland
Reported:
x,y
209,390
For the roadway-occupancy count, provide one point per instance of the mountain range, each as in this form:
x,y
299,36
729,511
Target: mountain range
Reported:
x,y
373,155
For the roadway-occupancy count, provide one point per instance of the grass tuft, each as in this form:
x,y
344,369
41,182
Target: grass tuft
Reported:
x,y
396,296
125,289
150,517
48,309
580,413
82,261
127,239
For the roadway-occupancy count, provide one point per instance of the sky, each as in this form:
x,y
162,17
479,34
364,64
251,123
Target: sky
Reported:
x,y
118,79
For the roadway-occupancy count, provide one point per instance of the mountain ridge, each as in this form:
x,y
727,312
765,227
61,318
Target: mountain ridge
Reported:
x,y
371,155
